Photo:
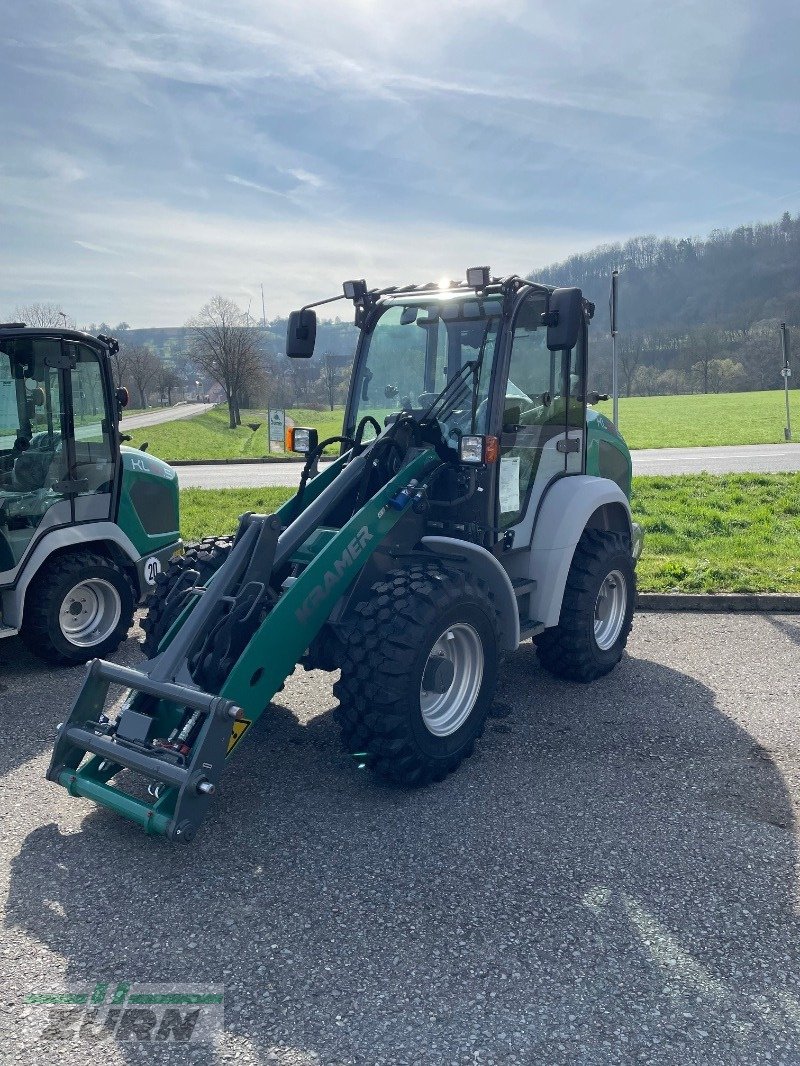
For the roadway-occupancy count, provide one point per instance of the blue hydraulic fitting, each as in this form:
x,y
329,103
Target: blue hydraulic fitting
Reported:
x,y
403,497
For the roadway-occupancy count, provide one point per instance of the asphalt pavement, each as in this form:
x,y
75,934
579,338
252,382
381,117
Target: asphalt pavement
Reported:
x,y
611,878
757,458
164,414
752,458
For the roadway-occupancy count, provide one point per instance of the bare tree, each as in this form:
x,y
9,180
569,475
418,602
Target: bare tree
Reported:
x,y
706,343
631,351
227,347
167,379
331,377
143,365
43,315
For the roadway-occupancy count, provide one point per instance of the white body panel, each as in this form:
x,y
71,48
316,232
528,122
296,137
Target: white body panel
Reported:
x,y
565,511
13,600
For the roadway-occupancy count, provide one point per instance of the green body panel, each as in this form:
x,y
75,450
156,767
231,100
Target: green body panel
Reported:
x,y
277,646
600,432
287,512
301,612
141,471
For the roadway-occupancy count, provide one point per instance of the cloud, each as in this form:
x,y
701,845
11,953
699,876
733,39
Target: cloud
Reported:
x,y
210,147
95,248
234,180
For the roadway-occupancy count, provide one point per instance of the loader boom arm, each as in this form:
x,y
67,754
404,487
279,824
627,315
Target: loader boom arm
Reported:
x,y
163,693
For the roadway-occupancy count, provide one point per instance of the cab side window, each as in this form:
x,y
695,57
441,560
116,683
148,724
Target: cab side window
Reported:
x,y
93,448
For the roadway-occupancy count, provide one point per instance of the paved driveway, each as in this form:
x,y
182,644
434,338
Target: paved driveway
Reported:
x,y
756,459
163,414
612,878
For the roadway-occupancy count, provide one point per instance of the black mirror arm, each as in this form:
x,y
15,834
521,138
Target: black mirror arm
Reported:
x,y
319,303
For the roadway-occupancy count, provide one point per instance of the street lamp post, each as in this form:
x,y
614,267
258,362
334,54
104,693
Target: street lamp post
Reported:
x,y
614,381
786,373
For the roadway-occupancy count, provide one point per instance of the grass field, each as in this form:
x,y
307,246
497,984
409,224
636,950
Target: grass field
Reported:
x,y
703,533
731,533
208,435
645,421
701,421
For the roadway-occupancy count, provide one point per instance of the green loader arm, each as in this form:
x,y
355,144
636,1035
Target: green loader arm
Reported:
x,y
163,697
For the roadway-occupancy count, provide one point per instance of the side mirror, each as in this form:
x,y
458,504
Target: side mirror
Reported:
x,y
122,397
301,334
563,318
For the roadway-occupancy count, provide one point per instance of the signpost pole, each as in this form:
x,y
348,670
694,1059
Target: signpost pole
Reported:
x,y
614,380
786,372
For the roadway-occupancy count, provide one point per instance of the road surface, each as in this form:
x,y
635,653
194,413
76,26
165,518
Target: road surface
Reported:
x,y
610,880
164,414
753,458
757,458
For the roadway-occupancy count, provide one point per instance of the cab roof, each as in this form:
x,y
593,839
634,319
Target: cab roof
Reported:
x,y
19,329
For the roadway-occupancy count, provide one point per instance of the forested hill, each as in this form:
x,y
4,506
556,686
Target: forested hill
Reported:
x,y
731,279
695,314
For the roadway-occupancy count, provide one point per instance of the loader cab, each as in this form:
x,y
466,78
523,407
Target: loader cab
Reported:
x,y
524,393
58,437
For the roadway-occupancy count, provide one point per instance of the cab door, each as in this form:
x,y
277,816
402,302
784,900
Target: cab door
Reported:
x,y
91,446
33,456
542,420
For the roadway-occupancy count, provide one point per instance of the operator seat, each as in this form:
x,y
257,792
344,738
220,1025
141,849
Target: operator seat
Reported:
x,y
30,468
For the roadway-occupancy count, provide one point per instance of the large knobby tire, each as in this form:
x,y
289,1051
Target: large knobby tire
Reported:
x,y
79,606
418,672
206,557
596,612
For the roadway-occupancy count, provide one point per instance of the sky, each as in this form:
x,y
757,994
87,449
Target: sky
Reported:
x,y
158,152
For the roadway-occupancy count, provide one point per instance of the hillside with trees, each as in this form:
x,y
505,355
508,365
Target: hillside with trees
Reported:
x,y
695,315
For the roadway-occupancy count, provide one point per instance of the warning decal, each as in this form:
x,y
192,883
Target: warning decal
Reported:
x,y
238,731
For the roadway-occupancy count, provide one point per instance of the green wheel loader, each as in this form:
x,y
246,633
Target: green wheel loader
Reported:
x,y
474,505
86,525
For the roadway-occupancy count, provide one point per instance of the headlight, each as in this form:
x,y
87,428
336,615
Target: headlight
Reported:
x,y
478,450
301,439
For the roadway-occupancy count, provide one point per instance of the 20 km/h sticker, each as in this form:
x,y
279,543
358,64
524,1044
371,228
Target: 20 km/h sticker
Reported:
x,y
152,568
237,732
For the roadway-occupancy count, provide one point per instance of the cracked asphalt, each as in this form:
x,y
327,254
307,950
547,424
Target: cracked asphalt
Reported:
x,y
610,879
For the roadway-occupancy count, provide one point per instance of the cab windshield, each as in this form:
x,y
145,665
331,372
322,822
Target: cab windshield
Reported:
x,y
420,345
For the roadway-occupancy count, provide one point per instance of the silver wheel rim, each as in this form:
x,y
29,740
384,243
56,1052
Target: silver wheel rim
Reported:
x,y
90,612
609,610
445,712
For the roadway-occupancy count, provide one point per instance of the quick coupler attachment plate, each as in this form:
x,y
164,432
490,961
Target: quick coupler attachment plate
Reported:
x,y
172,735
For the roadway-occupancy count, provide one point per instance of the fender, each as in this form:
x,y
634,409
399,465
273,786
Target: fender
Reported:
x,y
483,564
571,505
72,536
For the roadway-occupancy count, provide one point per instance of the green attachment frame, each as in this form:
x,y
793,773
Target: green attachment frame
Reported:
x,y
183,791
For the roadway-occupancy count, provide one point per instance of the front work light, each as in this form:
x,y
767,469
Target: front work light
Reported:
x,y
478,450
355,290
478,277
300,439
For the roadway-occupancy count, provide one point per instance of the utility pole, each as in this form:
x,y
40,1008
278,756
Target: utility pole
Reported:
x,y
612,305
263,309
786,373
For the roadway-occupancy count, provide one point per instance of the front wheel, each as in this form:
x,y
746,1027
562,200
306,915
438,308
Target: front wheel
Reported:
x,y
596,612
78,607
206,558
419,670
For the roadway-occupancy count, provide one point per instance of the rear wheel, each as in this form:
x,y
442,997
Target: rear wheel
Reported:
x,y
79,606
597,610
419,670
206,557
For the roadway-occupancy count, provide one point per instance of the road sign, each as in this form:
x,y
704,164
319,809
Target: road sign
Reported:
x,y
786,371
277,430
